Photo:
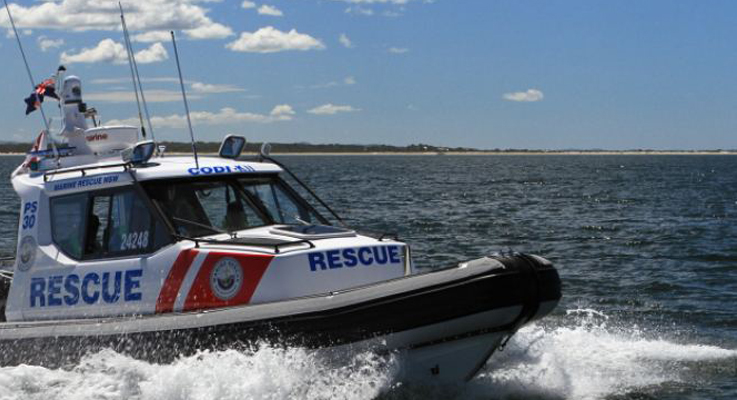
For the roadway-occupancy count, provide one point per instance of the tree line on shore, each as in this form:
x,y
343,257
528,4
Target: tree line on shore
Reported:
x,y
336,148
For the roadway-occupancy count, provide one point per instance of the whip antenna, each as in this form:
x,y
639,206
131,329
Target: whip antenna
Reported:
x,y
132,60
30,76
133,75
184,96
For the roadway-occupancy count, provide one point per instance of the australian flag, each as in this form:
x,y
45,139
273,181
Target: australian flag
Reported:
x,y
45,88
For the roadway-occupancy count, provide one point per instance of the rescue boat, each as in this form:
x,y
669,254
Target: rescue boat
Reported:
x,y
122,246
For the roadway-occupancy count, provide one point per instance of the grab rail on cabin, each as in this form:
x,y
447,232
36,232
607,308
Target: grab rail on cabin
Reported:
x,y
275,246
126,166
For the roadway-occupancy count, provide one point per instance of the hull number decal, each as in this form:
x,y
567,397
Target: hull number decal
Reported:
x,y
134,240
29,214
352,257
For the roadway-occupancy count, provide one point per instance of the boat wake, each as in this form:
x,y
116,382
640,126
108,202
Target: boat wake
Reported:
x,y
589,357
267,373
583,357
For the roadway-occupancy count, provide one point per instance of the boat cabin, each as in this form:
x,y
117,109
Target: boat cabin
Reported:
x,y
110,226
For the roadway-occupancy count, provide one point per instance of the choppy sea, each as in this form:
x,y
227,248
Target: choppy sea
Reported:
x,y
646,247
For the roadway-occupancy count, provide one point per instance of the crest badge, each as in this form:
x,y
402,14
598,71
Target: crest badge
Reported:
x,y
226,278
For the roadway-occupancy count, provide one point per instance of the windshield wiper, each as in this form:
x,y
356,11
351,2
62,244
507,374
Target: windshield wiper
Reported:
x,y
208,227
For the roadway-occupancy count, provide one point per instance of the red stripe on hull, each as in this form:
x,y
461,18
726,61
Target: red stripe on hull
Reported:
x,y
173,282
201,296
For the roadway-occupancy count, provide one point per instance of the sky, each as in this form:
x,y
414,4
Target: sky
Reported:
x,y
587,74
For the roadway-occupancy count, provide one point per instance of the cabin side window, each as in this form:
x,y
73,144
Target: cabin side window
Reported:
x,y
113,223
68,223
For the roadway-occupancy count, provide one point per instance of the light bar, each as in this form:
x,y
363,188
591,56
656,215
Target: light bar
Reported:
x,y
140,153
232,146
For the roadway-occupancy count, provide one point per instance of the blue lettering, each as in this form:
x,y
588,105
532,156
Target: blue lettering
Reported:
x,y
86,296
38,287
349,257
380,255
365,260
106,295
315,260
132,282
71,285
394,255
54,289
334,259
220,169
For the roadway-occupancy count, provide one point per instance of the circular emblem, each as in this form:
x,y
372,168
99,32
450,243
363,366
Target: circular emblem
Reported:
x,y
27,253
226,278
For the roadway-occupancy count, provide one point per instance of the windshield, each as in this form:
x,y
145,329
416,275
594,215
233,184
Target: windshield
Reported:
x,y
226,204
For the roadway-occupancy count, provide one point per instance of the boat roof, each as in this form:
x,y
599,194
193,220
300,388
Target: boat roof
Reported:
x,y
87,176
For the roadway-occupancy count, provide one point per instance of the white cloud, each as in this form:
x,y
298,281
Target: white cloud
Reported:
x,y
107,50
113,81
270,10
331,109
141,15
357,10
152,36
248,4
282,111
398,50
375,1
226,116
347,81
199,87
45,43
271,40
211,31
528,96
155,53
345,41
111,51
128,96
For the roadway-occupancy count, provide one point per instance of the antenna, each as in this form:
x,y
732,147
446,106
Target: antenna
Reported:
x,y
59,74
184,96
133,75
132,57
30,76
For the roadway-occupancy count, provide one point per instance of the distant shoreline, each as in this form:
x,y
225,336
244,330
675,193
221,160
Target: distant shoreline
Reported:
x,y
419,149
473,153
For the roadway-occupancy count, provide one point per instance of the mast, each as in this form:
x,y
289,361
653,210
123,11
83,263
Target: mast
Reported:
x,y
137,79
30,76
184,96
133,75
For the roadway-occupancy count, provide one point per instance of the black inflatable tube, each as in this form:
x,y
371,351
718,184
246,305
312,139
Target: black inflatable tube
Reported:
x,y
525,281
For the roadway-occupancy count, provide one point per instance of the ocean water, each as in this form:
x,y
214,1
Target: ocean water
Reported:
x,y
646,247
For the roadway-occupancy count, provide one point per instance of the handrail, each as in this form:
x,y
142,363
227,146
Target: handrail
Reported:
x,y
126,166
275,246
